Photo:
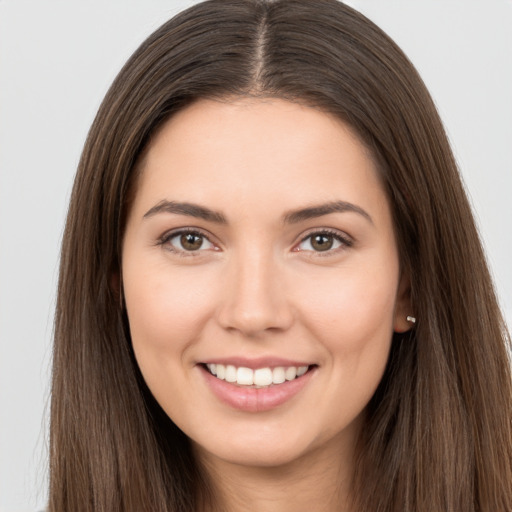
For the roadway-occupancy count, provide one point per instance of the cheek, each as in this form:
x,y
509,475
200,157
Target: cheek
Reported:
x,y
166,310
352,317
352,306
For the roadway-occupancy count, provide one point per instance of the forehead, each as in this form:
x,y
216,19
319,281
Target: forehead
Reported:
x,y
253,151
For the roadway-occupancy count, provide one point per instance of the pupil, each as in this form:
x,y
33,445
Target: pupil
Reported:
x,y
191,242
322,242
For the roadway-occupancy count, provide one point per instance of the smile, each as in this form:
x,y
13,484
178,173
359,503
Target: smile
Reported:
x,y
259,378
261,388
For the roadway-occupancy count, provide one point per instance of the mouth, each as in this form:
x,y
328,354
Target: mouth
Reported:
x,y
256,378
259,384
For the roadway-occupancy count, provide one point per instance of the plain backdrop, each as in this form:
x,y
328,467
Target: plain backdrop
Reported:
x,y
57,59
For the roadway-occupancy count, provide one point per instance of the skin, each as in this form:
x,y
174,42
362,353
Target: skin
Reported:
x,y
258,287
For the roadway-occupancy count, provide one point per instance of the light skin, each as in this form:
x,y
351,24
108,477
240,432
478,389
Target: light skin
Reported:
x,y
260,231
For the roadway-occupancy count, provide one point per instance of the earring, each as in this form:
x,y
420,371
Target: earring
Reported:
x,y
411,319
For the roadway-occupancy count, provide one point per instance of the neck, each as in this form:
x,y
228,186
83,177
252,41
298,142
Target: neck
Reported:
x,y
317,481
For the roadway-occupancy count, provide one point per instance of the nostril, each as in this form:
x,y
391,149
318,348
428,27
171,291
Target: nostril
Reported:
x,y
254,319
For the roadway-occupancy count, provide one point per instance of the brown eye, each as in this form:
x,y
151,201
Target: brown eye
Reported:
x,y
322,242
191,241
187,242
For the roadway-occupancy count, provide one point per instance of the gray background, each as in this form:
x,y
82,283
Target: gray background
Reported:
x,y
57,59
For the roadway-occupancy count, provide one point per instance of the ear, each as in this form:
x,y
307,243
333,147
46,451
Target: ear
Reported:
x,y
403,306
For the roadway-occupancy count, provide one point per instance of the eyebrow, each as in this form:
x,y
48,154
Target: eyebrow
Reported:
x,y
292,217
312,212
189,209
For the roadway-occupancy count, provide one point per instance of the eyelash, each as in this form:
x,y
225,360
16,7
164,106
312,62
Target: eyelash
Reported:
x,y
345,242
167,237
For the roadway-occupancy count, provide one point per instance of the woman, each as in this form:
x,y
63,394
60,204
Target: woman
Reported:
x,y
272,292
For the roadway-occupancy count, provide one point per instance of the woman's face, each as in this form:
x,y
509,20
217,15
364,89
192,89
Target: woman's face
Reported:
x,y
260,246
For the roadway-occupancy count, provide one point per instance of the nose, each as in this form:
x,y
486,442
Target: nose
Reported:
x,y
255,301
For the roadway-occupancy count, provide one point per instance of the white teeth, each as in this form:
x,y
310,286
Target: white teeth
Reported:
x,y
290,373
221,371
278,375
230,373
244,376
262,377
301,371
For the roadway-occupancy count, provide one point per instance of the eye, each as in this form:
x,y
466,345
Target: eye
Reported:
x,y
187,242
323,241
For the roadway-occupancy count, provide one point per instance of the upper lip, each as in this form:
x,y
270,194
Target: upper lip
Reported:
x,y
255,363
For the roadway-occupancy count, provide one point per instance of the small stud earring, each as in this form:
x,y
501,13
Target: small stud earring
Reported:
x,y
411,319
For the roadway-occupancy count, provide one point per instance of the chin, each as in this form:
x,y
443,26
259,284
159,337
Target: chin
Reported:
x,y
268,447
253,456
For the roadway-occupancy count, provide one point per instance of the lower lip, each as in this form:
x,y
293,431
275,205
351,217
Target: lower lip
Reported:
x,y
255,399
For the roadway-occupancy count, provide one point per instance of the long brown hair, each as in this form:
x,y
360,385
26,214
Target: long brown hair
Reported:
x,y
438,433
